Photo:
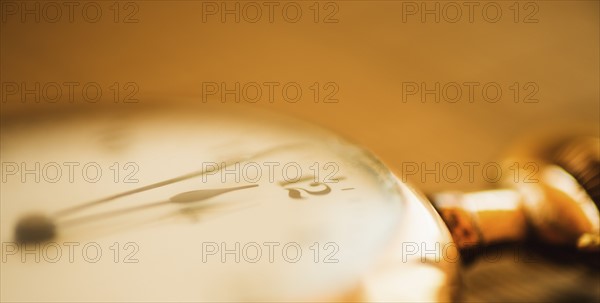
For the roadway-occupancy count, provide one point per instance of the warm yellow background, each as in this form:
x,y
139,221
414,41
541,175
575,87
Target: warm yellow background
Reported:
x,y
368,53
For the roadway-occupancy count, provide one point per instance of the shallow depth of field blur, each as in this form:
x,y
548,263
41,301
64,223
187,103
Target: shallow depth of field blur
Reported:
x,y
171,49
414,82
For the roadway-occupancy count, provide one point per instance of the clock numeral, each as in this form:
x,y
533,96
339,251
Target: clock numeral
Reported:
x,y
296,192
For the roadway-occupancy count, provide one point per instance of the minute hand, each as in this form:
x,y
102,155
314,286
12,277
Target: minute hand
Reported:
x,y
71,210
186,197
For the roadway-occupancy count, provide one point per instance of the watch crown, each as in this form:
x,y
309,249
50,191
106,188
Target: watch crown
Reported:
x,y
581,159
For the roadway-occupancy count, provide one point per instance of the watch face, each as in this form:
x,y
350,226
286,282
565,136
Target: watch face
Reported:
x,y
200,205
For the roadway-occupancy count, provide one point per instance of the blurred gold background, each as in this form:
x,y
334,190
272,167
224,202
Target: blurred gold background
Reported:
x,y
163,51
169,51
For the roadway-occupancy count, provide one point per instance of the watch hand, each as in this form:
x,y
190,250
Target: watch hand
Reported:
x,y
202,194
95,217
36,228
186,197
199,212
71,210
39,227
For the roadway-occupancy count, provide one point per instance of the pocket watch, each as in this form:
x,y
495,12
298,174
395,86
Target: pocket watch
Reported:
x,y
243,204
